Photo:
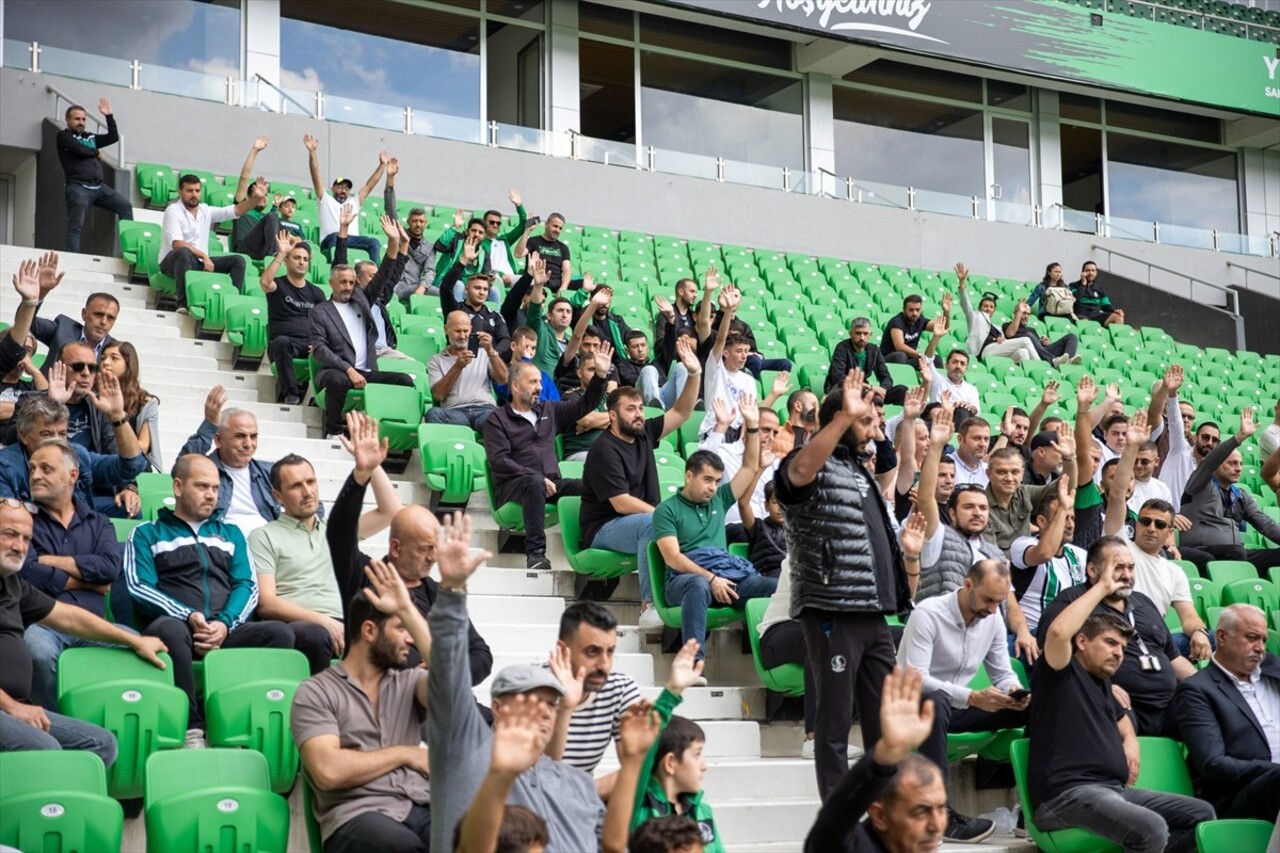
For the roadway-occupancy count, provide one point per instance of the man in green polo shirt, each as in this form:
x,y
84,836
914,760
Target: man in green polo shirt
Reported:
x,y
689,528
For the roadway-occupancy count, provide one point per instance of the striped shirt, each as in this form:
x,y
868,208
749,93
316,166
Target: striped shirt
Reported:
x,y
1037,586
595,723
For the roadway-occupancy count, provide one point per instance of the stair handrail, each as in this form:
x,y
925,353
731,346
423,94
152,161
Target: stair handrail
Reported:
x,y
282,93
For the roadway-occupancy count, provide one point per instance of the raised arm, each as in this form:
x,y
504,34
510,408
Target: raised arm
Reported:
x,y
683,408
1045,548
246,171
702,322
598,299
731,297
939,435
1200,478
804,466
1117,496
1086,393
1047,398
746,476
1059,642
313,164
372,183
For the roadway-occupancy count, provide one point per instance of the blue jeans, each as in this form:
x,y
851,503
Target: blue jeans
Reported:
x,y
757,363
64,733
355,241
80,197
630,534
471,416
45,644
1140,821
666,394
693,594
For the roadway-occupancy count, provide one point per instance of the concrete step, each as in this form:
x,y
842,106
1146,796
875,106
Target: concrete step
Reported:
x,y
67,261
773,819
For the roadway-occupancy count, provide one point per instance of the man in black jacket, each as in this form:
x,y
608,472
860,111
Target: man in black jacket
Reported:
x,y
97,319
859,352
79,153
412,548
483,318
1229,718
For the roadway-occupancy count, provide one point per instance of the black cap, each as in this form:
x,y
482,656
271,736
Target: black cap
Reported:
x,y
1044,439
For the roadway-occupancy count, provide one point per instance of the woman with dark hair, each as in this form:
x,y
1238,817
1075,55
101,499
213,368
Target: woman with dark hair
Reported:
x,y
121,360
1052,281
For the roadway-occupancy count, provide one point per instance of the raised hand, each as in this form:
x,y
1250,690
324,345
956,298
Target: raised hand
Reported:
x,y
384,158
258,189
685,668
925,368
1247,425
260,142
453,554
517,735
854,406
47,273
940,323
1086,391
638,728
911,537
537,268
109,398
26,282
389,228
311,142
459,218
601,298
1050,394
401,234
665,307
393,167
946,303
710,279
346,215
913,402
588,283
368,452
781,383
942,425
1006,423
213,403
386,590
513,195
749,408
604,360
104,106
688,356
905,722
725,413
732,298
1138,431
1113,393
1066,443
962,272
572,682
470,251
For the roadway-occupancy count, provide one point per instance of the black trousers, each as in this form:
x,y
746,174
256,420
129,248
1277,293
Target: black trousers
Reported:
x,y
948,719
181,261
314,642
282,350
336,384
177,636
849,654
1262,558
1065,345
261,239
531,493
784,643
376,831
1260,799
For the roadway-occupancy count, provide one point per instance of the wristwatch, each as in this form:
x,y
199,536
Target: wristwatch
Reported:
x,y
124,420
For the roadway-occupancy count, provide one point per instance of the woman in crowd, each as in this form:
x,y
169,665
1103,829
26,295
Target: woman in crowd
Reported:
x,y
120,359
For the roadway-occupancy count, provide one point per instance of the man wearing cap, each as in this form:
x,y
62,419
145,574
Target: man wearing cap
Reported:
x,y
340,197
358,726
1046,459
458,738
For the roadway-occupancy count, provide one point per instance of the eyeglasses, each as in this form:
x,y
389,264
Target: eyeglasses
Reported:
x,y
969,487
1148,521
82,366
493,222
14,503
1142,462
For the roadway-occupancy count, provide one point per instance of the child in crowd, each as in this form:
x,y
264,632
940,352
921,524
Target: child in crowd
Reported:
x,y
670,834
767,537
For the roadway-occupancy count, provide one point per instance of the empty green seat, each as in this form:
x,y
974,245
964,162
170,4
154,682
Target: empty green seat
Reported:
x,y
55,801
247,696
398,411
1236,836
1205,593
157,183
453,467
510,515
124,527
788,678
135,701
1224,572
1256,591
246,327
213,801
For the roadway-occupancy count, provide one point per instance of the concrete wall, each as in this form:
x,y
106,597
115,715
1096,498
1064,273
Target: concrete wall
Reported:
x,y
185,132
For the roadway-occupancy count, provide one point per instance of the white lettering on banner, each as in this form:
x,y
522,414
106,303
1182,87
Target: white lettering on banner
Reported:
x,y
1272,64
912,13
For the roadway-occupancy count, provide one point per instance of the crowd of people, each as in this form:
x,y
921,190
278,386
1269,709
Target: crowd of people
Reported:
x,y
1003,541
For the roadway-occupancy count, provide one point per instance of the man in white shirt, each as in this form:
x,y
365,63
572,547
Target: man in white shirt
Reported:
x,y
947,639
184,243
1146,486
971,452
731,455
963,395
727,379
339,197
1164,582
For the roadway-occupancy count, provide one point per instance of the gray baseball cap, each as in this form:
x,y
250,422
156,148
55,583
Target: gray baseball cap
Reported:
x,y
522,678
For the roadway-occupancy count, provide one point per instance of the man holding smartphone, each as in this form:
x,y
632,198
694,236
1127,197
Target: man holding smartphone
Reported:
x,y
947,640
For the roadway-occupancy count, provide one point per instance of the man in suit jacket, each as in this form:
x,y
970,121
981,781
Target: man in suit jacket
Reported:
x,y
98,318
858,351
1229,714
344,341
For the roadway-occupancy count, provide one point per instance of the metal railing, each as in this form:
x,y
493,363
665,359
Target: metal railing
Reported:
x,y
59,96
1231,300
285,95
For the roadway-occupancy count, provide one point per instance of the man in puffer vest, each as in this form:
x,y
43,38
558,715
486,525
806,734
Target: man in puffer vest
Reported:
x,y
846,573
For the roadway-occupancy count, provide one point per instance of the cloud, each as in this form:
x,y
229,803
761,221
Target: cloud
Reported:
x,y
307,81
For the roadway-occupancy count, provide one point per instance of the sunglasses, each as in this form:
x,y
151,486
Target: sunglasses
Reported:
x,y
494,222
1148,521
1142,462
82,366
969,487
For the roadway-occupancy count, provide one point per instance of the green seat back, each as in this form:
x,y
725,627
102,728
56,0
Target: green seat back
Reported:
x,y
398,411
1059,841
135,701
1258,592
1224,572
314,839
599,563
214,801
157,183
247,695
246,325
1189,569
670,613
55,801
788,678
1205,593
1163,767
124,527
1238,836
454,467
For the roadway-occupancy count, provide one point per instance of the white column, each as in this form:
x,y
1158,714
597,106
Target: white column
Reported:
x,y
1048,154
563,96
260,24
820,127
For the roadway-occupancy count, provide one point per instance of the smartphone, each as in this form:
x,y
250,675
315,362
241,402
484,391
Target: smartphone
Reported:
x,y
532,220
473,344
1019,695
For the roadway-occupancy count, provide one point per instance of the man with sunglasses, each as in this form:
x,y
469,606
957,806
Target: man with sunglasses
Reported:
x,y
498,243
1219,509
1164,583
1146,485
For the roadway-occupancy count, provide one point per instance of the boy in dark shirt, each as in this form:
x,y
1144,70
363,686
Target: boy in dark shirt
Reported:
x,y
767,537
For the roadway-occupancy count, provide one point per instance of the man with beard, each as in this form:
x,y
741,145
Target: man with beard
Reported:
x,y
947,639
419,271
846,573
332,205
192,583
25,726
596,698
1152,667
674,318
859,352
620,477
1084,753
358,726
184,245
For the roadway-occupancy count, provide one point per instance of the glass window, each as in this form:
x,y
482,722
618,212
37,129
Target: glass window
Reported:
x,y
700,108
515,74
607,21
1172,183
202,37
718,42
1011,96
1082,168
919,80
382,52
905,142
607,82
1151,120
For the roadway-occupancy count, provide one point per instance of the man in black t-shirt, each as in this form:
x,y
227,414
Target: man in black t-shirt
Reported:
x,y
900,342
290,298
24,726
553,251
620,476
1084,749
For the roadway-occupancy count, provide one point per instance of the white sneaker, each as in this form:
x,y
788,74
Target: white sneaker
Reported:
x,y
195,740
336,436
650,620
182,309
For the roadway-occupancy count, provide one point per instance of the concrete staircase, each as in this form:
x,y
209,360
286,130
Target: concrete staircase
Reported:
x,y
763,792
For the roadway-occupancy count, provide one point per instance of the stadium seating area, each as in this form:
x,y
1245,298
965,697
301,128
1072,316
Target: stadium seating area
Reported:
x,y
1215,16
798,306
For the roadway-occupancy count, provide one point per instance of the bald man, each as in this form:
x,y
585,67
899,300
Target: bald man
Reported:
x,y
412,546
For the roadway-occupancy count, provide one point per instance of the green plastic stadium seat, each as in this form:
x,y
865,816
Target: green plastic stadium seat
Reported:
x,y
1238,836
246,324
1190,569
1260,593
510,516
787,678
157,183
247,696
1205,593
1224,572
398,411
128,697
214,801
454,467
716,616
314,840
1059,841
124,527
55,801
1163,767
598,563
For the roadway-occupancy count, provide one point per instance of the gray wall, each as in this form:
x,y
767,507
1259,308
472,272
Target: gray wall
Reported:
x,y
185,132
